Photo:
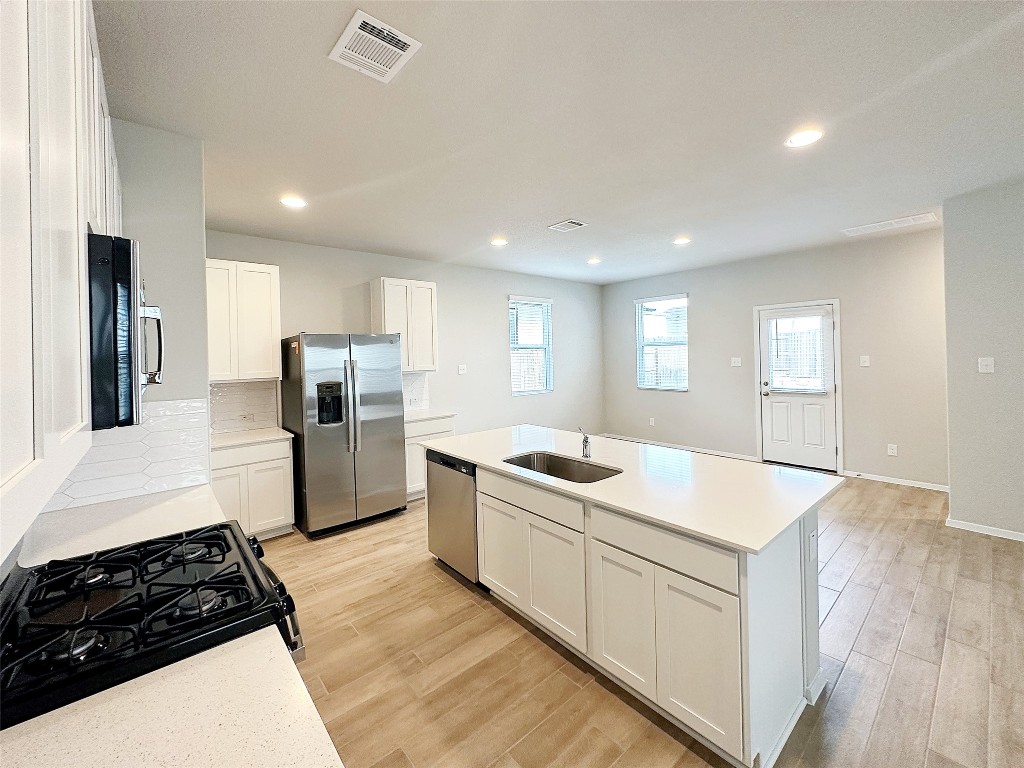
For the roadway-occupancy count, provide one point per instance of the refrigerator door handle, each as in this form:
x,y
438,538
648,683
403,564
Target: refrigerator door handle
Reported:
x,y
356,417
350,406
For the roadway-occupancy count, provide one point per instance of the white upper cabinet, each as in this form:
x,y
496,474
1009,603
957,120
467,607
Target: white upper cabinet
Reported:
x,y
243,310
409,308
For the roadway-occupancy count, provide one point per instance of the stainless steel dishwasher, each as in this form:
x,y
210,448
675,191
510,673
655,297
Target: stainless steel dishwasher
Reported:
x,y
451,512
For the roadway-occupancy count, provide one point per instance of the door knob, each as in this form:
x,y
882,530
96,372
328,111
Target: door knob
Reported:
x,y
765,394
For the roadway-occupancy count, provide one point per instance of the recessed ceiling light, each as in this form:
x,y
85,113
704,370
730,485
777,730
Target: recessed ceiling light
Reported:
x,y
499,242
681,241
804,137
593,260
293,202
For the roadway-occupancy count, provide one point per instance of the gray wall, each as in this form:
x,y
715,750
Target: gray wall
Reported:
x,y
163,208
984,253
327,290
891,296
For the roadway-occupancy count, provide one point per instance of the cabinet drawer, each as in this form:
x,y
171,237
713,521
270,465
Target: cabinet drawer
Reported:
x,y
250,454
703,562
559,509
429,427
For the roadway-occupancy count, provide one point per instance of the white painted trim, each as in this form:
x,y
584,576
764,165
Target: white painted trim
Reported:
x,y
837,358
663,298
813,691
529,299
741,456
1002,533
898,481
770,760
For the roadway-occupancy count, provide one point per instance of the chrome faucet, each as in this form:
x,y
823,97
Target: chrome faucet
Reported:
x,y
586,444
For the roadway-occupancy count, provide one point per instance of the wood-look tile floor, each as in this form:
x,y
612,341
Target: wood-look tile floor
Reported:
x,y
922,639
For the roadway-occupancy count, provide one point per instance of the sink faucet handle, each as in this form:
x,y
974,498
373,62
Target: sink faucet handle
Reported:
x,y
581,429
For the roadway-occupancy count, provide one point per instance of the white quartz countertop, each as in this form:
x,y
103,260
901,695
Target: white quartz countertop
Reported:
x,y
426,414
741,505
81,530
248,437
240,704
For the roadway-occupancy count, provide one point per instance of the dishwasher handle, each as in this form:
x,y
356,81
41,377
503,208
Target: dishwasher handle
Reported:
x,y
450,462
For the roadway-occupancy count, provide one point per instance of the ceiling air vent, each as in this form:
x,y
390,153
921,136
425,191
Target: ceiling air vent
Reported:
x,y
568,225
882,226
373,48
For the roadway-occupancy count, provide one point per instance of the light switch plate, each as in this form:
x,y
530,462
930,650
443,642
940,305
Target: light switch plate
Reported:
x,y
986,365
462,370
865,361
651,422
736,362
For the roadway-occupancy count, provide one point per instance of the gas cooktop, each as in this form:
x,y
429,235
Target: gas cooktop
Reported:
x,y
74,627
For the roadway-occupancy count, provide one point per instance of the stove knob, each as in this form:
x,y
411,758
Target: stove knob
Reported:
x,y
254,543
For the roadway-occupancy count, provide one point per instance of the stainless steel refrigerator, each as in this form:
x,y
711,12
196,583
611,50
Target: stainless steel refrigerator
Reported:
x,y
341,396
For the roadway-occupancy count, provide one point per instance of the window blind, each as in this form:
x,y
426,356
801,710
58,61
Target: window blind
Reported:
x,y
529,333
662,343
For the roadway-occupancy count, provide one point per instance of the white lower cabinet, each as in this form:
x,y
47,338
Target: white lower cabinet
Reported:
x,y
270,495
535,565
698,664
622,612
230,486
502,548
556,580
253,485
416,432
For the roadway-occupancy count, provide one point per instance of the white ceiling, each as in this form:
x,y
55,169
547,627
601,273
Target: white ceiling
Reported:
x,y
647,120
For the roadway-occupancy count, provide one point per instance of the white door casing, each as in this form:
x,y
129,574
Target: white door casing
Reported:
x,y
797,385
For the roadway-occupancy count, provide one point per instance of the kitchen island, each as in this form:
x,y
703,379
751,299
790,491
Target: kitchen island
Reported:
x,y
689,578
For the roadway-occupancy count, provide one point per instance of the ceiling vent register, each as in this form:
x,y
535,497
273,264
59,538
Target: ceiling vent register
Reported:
x,y
568,225
370,46
882,226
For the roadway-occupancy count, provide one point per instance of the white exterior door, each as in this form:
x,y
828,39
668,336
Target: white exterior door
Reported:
x,y
798,386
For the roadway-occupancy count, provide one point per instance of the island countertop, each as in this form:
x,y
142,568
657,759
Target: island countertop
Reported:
x,y
737,504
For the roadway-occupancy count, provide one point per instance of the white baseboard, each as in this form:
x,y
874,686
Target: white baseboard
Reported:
x,y
813,691
1002,533
898,481
741,456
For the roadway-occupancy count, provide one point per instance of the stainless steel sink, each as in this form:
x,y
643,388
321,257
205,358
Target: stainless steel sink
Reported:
x,y
562,467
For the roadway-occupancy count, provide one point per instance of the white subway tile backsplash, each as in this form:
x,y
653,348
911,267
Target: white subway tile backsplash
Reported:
x,y
231,401
169,450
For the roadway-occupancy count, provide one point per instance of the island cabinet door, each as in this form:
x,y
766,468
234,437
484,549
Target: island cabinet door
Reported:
x,y
501,544
622,611
698,639
557,580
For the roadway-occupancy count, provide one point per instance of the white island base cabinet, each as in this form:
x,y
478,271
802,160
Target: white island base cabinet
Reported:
x,y
716,640
253,485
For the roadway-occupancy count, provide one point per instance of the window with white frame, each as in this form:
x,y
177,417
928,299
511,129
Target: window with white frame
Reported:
x,y
662,354
529,336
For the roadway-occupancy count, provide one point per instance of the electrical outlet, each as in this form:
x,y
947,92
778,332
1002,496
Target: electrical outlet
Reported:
x,y
248,417
986,365
865,361
736,362
892,449
651,422
462,370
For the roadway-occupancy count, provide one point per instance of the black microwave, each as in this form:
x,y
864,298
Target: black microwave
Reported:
x,y
118,318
